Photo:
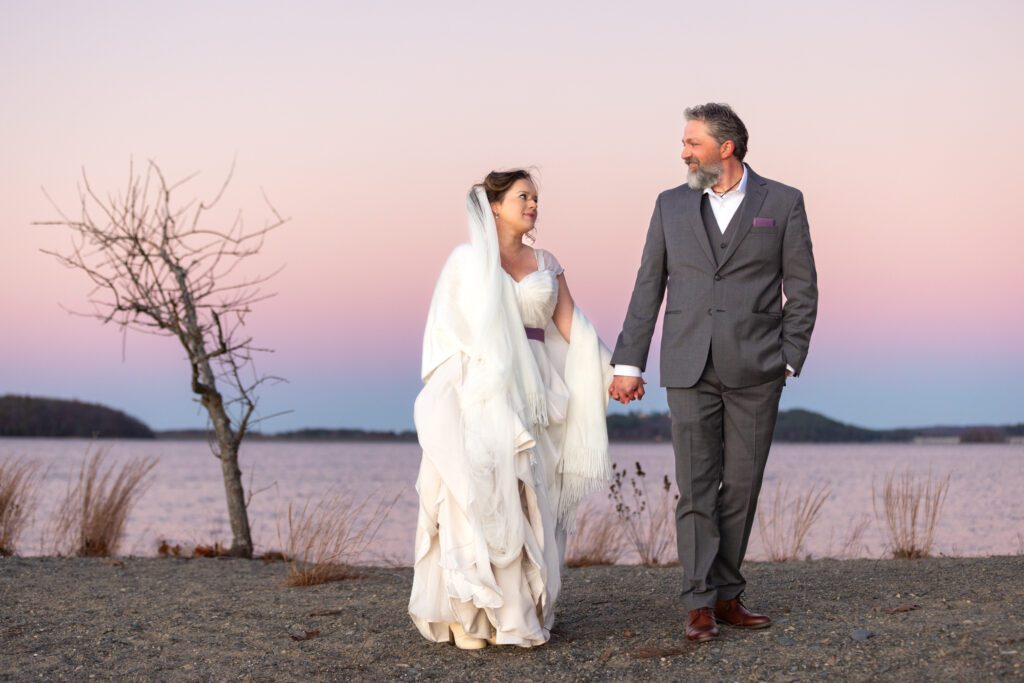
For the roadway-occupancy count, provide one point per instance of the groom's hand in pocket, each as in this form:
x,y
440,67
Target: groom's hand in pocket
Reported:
x,y
625,389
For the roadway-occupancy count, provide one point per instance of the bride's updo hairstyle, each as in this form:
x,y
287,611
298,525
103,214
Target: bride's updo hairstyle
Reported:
x,y
497,183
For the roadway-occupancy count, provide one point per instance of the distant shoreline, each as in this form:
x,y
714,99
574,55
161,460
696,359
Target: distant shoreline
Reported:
x,y
27,416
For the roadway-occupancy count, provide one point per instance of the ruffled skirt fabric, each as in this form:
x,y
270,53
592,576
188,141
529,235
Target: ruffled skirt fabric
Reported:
x,y
455,579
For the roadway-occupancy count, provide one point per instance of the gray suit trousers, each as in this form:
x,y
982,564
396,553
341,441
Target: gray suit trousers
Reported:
x,y
721,438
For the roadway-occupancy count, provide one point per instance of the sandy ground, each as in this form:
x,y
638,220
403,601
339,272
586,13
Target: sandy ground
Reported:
x,y
154,619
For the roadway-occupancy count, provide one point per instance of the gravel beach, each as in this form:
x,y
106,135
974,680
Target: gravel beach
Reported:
x,y
156,619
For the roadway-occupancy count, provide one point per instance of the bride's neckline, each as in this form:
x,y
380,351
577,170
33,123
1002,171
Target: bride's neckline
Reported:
x,y
525,277
536,258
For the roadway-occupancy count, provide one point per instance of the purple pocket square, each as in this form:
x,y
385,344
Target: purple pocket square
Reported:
x,y
764,222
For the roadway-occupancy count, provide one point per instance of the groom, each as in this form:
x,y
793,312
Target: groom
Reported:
x,y
725,245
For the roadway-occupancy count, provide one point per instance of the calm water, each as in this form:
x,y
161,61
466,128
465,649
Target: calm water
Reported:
x,y
983,513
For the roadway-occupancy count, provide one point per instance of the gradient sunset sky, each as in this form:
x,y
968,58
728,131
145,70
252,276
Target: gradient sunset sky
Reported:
x,y
365,123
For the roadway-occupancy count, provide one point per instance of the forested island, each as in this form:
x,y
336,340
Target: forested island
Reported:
x,y
26,416
55,417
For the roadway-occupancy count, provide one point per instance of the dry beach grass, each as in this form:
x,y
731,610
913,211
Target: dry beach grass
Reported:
x,y
784,523
911,507
597,539
324,543
18,489
92,517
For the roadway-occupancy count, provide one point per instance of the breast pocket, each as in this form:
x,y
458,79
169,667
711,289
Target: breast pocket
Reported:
x,y
765,232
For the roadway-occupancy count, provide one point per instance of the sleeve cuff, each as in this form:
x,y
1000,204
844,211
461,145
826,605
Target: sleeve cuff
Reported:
x,y
627,371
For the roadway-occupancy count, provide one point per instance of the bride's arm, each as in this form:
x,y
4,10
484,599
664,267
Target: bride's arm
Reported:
x,y
563,309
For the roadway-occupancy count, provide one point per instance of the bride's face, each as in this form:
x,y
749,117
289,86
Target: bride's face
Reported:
x,y
517,210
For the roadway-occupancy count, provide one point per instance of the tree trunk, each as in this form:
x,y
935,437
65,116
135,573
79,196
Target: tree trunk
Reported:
x,y
241,537
238,516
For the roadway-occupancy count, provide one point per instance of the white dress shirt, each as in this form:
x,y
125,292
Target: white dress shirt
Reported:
x,y
724,208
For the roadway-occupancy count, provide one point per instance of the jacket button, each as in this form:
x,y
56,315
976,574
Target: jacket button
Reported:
x,y
724,245
711,311
718,277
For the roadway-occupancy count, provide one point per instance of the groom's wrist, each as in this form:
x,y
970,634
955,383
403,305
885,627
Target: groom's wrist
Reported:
x,y
627,371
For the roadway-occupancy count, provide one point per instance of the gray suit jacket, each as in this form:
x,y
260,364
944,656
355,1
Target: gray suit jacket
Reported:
x,y
735,306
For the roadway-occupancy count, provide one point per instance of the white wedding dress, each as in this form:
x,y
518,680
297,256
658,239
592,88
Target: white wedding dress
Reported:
x,y
455,579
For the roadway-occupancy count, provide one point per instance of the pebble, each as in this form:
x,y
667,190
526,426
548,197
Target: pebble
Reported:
x,y
861,634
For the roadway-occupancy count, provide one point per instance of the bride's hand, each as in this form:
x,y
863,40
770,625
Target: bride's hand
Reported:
x,y
625,389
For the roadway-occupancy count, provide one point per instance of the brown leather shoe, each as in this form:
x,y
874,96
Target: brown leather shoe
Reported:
x,y
700,625
733,613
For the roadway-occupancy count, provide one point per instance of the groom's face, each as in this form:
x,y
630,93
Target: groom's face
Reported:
x,y
699,148
702,155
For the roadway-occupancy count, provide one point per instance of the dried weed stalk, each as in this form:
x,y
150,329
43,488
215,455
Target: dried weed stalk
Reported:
x,y
648,523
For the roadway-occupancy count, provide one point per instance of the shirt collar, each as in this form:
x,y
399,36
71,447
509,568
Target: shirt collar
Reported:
x,y
740,190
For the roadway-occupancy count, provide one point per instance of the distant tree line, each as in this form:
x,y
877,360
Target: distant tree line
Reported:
x,y
800,426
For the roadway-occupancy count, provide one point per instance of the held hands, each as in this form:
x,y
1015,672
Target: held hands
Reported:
x,y
625,389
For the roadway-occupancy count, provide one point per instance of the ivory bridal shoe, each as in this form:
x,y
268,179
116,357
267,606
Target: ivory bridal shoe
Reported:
x,y
463,641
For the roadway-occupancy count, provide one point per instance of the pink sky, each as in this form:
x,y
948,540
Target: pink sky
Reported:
x,y
901,124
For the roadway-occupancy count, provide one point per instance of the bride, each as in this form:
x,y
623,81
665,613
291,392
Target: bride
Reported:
x,y
511,420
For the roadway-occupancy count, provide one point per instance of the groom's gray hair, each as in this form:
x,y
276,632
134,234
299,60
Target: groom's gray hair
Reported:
x,y
722,123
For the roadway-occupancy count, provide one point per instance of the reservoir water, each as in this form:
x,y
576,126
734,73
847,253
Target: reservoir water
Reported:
x,y
983,512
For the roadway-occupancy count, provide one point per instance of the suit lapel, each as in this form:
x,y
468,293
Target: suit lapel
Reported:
x,y
757,190
693,217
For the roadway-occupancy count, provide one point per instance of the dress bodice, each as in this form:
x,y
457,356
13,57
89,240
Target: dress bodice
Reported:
x,y
537,293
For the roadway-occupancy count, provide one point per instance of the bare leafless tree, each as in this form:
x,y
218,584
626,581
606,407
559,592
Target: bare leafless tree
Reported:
x,y
157,270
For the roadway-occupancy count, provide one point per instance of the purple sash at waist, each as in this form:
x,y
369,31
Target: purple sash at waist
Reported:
x,y
535,333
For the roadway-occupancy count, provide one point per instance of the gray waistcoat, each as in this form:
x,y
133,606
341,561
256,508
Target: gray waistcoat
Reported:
x,y
719,240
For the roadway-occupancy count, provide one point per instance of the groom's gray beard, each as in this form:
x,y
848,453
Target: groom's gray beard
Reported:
x,y
704,177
